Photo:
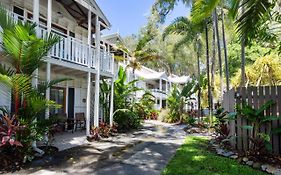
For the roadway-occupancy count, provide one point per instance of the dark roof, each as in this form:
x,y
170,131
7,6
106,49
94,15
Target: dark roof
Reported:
x,y
80,13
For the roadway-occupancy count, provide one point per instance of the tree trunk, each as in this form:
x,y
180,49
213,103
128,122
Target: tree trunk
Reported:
x,y
243,78
213,68
208,71
225,51
219,51
199,85
243,73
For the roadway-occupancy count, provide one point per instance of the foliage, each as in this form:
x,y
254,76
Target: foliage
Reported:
x,y
123,91
189,119
221,125
104,99
103,131
8,131
178,98
26,52
145,106
194,158
260,141
125,116
127,120
253,52
264,72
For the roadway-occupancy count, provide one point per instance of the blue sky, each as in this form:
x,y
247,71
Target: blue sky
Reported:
x,y
128,16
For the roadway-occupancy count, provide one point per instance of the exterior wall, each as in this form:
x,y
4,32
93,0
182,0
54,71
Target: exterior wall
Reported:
x,y
78,83
5,97
65,20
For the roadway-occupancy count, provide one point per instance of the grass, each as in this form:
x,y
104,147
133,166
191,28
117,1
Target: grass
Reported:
x,y
193,158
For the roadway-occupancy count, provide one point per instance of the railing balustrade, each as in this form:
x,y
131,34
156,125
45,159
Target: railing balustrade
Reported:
x,y
73,50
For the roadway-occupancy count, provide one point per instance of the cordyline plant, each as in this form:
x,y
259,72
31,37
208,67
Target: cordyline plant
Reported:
x,y
260,141
8,130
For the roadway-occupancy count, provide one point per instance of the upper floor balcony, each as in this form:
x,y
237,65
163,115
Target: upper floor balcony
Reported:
x,y
73,50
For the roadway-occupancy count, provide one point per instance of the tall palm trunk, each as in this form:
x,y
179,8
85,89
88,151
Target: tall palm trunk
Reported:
x,y
213,68
208,70
199,84
219,51
243,73
225,51
243,78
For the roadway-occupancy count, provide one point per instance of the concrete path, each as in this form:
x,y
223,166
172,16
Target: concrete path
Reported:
x,y
144,152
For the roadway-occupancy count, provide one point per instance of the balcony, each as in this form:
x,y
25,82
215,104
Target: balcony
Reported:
x,y
158,94
75,51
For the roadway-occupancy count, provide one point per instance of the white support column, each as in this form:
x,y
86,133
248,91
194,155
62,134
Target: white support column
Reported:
x,y
66,96
36,6
36,14
48,69
112,94
160,89
49,16
89,82
97,78
48,79
88,104
111,102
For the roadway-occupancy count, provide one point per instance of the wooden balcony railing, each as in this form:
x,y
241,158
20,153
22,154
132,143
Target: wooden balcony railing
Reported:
x,y
74,50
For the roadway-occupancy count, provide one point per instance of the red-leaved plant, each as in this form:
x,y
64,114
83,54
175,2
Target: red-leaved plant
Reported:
x,y
8,130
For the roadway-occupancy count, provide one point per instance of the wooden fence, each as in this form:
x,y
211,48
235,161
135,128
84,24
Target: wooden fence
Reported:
x,y
255,97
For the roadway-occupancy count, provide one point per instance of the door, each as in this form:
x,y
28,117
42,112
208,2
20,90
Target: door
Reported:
x,y
70,103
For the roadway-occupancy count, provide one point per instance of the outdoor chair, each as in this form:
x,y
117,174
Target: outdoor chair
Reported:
x,y
80,121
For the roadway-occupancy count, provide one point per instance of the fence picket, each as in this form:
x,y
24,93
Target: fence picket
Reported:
x,y
255,97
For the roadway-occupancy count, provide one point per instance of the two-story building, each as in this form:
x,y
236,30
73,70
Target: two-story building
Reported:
x,y
79,55
158,83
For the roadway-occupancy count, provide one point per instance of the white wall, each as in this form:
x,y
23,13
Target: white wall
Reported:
x,y
65,20
78,83
5,97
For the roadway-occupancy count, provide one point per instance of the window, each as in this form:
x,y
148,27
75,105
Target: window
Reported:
x,y
58,95
19,11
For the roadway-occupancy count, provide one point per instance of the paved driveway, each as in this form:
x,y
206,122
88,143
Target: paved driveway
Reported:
x,y
144,152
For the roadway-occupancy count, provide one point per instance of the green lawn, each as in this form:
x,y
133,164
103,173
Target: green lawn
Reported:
x,y
193,158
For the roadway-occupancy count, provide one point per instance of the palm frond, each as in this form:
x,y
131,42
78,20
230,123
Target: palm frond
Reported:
x,y
252,13
6,21
4,70
181,25
203,9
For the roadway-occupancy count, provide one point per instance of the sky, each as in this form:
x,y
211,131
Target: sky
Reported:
x,y
128,16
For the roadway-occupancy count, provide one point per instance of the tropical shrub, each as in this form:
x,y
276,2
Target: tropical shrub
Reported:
x,y
145,106
260,141
103,131
127,120
126,115
104,99
178,98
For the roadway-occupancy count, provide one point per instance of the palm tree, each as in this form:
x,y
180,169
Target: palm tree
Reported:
x,y
225,50
23,50
191,35
248,15
215,20
25,53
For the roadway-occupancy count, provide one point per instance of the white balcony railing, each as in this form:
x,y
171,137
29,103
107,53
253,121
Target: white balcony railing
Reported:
x,y
158,94
73,50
